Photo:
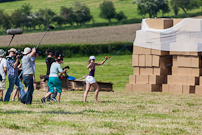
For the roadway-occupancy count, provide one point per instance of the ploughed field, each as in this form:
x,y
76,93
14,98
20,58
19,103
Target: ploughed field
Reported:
x,y
110,34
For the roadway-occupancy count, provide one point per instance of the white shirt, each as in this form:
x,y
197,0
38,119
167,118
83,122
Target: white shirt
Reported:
x,y
3,63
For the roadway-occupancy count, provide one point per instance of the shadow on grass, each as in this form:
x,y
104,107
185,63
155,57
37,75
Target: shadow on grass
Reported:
x,y
61,112
2,112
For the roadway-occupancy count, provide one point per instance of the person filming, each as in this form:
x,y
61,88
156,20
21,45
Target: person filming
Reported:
x,y
12,63
54,80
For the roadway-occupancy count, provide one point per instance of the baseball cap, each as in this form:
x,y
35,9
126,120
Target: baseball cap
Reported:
x,y
92,58
27,50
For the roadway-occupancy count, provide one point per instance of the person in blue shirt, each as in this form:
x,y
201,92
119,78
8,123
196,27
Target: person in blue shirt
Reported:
x,y
54,81
12,63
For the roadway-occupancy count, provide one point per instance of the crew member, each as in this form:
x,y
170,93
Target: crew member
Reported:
x,y
49,61
28,71
54,81
3,72
12,63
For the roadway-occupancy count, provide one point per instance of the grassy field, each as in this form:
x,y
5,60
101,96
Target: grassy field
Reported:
x,y
119,112
126,6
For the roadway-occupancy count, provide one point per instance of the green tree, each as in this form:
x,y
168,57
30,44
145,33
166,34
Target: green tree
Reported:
x,y
58,19
18,18
26,9
120,16
107,10
81,13
4,20
175,8
185,5
152,7
33,20
67,15
45,16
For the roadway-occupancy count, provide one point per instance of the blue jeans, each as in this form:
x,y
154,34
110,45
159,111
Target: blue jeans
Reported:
x,y
28,81
14,80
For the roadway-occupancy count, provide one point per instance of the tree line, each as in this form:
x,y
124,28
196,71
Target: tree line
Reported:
x,y
77,14
80,14
153,7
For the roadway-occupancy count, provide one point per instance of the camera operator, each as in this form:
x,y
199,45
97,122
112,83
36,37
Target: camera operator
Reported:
x,y
28,71
12,63
49,61
3,72
54,81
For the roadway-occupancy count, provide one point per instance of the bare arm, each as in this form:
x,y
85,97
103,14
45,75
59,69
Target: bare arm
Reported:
x,y
16,63
5,70
101,63
33,52
63,71
89,65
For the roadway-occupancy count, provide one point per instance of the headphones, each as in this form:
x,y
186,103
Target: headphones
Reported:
x,y
60,57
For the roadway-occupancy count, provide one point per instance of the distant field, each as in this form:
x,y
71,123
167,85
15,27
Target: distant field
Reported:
x,y
126,6
110,34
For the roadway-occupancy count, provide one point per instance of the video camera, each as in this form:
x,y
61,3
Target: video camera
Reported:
x,y
66,75
39,52
19,52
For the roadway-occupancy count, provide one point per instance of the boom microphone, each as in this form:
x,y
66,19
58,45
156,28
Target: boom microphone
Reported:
x,y
14,31
51,27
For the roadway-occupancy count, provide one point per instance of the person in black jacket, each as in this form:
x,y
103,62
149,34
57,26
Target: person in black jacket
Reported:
x,y
49,61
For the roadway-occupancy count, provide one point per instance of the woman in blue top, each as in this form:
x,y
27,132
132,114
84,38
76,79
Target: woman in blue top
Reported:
x,y
54,81
90,78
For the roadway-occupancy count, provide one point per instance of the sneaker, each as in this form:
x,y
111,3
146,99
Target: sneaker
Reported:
x,y
53,99
43,100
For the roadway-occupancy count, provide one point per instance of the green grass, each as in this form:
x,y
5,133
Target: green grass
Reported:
x,y
119,112
126,6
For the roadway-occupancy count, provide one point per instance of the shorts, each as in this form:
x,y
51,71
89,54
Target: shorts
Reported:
x,y
2,84
90,79
54,82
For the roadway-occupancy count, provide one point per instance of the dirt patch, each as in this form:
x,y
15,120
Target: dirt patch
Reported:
x,y
109,34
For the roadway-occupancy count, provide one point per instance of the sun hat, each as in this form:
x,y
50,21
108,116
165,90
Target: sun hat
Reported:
x,y
92,58
2,53
12,50
27,50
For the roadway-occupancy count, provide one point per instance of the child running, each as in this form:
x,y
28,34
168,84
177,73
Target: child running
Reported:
x,y
54,81
90,78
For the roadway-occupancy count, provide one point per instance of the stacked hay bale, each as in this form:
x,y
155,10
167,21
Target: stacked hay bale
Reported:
x,y
150,67
183,75
186,70
150,70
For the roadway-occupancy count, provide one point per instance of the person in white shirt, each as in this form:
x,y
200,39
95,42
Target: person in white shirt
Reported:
x,y
3,72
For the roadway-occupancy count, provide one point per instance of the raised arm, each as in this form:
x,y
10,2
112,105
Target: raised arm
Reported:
x,y
101,63
33,52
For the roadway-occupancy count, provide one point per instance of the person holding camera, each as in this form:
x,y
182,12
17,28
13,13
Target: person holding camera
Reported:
x,y
54,80
28,71
12,63
49,61
3,72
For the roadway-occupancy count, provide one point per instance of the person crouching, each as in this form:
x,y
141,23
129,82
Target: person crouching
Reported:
x,y
54,81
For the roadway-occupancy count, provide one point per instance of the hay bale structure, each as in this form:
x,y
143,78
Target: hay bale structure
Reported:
x,y
165,71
